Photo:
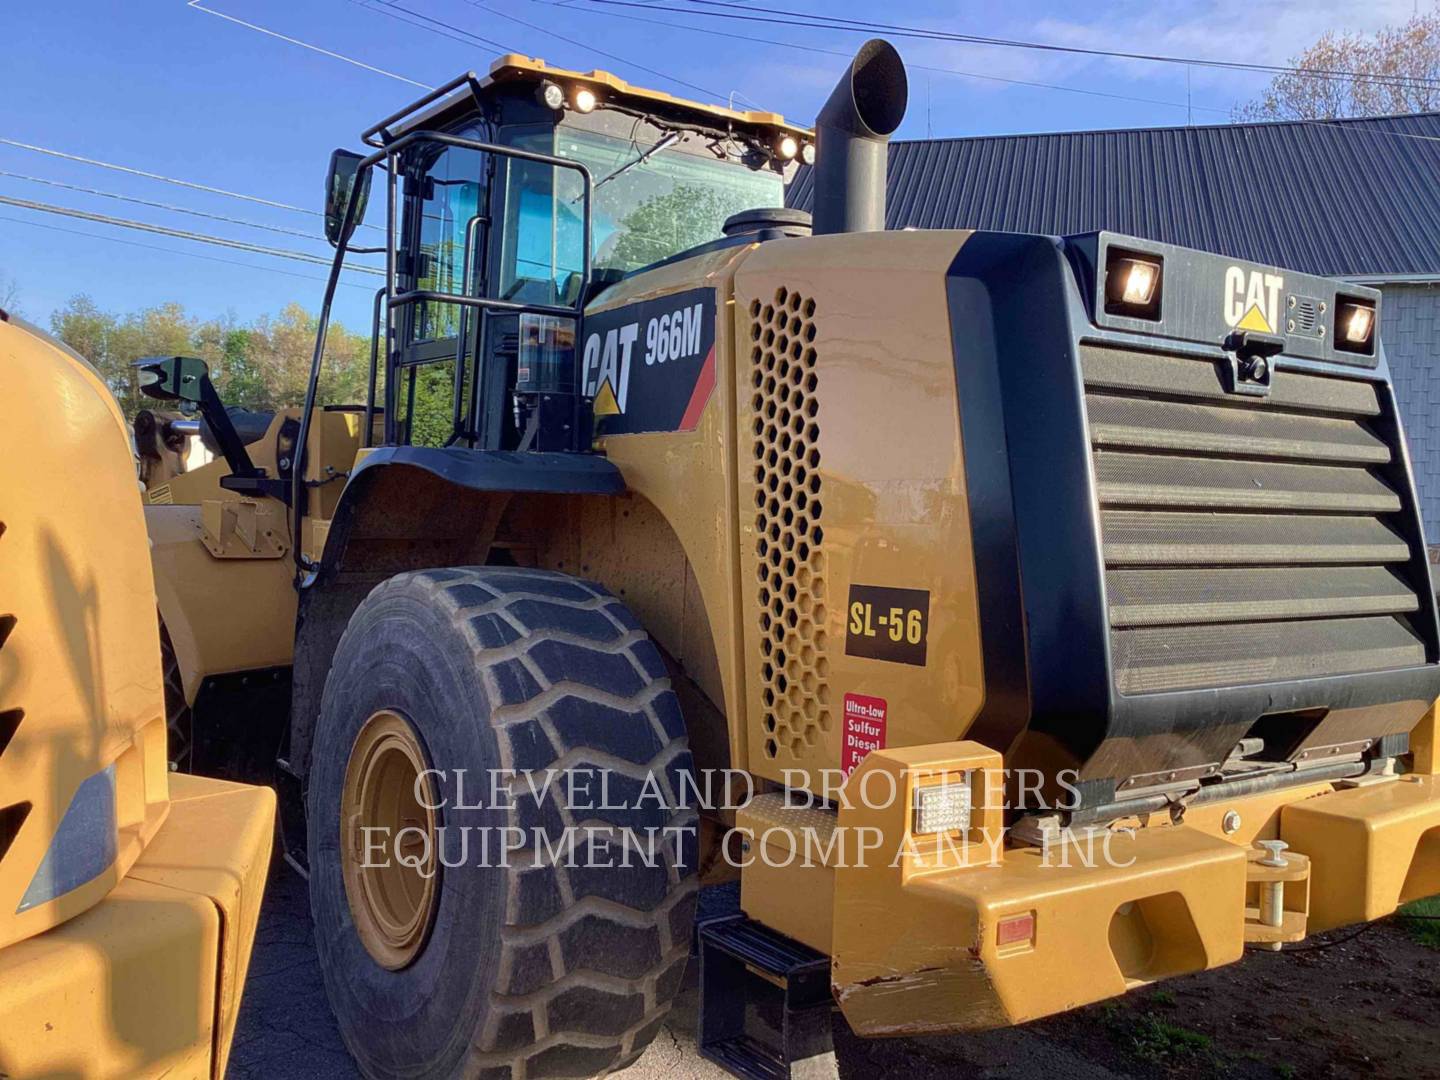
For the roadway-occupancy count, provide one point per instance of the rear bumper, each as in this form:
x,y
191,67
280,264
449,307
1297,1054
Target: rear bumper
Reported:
x,y
931,945
148,981
1371,848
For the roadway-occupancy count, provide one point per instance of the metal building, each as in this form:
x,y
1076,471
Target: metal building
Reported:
x,y
1358,199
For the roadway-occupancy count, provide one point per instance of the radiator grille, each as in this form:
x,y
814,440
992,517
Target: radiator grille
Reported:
x,y
1245,539
790,565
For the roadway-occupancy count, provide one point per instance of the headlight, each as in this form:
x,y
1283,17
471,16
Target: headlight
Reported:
x,y
1132,284
807,153
1354,325
584,99
551,96
787,147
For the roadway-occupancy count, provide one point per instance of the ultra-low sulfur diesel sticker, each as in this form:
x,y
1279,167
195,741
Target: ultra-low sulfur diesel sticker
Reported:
x,y
888,624
650,366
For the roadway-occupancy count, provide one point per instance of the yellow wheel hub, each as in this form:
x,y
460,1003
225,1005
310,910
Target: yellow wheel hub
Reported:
x,y
388,847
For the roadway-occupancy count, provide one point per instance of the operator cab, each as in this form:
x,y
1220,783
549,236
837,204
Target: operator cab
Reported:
x,y
496,183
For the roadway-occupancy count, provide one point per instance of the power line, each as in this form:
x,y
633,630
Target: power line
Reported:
x,y
158,205
155,176
196,5
176,181
807,20
182,234
586,45
435,26
172,251
792,45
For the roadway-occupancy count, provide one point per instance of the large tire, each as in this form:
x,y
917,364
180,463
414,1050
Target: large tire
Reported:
x,y
543,967
179,719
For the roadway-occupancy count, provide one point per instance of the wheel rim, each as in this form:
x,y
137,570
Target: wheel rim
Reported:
x,y
382,822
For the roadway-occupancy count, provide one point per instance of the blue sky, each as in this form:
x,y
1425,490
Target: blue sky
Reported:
x,y
161,86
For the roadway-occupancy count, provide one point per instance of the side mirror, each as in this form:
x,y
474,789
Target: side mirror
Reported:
x,y
340,188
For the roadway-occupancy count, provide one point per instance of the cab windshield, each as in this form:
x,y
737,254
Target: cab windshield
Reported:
x,y
676,198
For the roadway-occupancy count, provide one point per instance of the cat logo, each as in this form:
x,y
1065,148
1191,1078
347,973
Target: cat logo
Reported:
x,y
650,366
1252,299
607,368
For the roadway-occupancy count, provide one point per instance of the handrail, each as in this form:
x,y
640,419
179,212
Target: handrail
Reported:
x,y
387,152
469,78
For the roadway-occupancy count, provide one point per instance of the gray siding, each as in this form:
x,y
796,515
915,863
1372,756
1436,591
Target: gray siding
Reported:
x,y
1410,330
1341,198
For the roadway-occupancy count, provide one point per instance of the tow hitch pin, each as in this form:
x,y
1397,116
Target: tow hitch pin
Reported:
x,y
1272,893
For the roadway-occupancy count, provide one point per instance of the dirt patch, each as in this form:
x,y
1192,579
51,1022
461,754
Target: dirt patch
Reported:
x,y
1339,1005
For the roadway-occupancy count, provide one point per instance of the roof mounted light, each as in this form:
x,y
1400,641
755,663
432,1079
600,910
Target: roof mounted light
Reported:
x,y
583,99
787,147
807,153
551,96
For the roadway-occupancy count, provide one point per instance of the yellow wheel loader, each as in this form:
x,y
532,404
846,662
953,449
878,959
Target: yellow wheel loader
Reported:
x,y
128,897
1020,619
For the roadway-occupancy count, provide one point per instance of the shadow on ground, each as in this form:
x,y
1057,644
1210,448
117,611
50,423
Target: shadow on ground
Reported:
x,y
1359,1006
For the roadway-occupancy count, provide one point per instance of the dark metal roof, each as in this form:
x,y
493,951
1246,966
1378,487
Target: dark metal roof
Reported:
x,y
1349,197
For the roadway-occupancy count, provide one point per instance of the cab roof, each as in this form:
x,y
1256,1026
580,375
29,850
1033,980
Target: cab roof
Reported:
x,y
514,67
460,96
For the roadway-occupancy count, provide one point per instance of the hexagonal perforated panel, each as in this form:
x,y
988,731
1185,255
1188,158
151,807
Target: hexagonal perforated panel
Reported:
x,y
790,565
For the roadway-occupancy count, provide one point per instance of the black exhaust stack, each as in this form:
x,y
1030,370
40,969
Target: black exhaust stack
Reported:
x,y
852,134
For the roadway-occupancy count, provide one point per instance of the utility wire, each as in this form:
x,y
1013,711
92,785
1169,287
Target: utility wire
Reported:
x,y
182,234
113,167
591,47
1339,123
197,6
435,26
159,205
793,45
173,251
784,17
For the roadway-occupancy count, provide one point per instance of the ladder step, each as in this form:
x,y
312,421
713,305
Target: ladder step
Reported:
x,y
744,963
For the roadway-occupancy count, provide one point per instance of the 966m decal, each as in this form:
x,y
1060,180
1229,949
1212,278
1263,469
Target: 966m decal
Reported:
x,y
650,366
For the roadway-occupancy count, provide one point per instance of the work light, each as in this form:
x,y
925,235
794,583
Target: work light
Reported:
x,y
551,96
1132,285
787,147
943,807
807,153
1354,325
584,99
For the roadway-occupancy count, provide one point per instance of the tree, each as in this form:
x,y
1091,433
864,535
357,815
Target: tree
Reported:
x,y
9,295
681,218
265,365
1398,68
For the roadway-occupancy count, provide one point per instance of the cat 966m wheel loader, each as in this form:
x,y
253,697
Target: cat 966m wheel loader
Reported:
x,y
128,897
980,601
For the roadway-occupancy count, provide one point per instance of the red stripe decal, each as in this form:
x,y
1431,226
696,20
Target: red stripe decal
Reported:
x,y
704,387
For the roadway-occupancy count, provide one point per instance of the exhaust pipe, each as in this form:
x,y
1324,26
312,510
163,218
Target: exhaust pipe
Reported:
x,y
852,134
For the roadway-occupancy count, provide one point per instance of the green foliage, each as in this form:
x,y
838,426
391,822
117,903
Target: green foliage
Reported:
x,y
264,365
1423,921
681,218
433,421
1154,1039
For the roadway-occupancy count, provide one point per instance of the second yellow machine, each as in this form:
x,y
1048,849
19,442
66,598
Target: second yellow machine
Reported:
x,y
1021,619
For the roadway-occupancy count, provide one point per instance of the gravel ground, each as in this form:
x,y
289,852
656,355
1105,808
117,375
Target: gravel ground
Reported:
x,y
1361,1007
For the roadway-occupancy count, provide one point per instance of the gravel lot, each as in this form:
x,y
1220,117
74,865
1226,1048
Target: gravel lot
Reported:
x,y
1360,1007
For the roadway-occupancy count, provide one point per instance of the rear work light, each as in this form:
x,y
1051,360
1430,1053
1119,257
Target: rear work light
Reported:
x,y
943,807
1354,325
1132,284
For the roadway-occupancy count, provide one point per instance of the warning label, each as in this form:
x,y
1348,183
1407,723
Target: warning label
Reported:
x,y
864,729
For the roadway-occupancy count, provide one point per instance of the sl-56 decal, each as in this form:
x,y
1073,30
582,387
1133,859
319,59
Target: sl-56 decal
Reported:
x,y
650,366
